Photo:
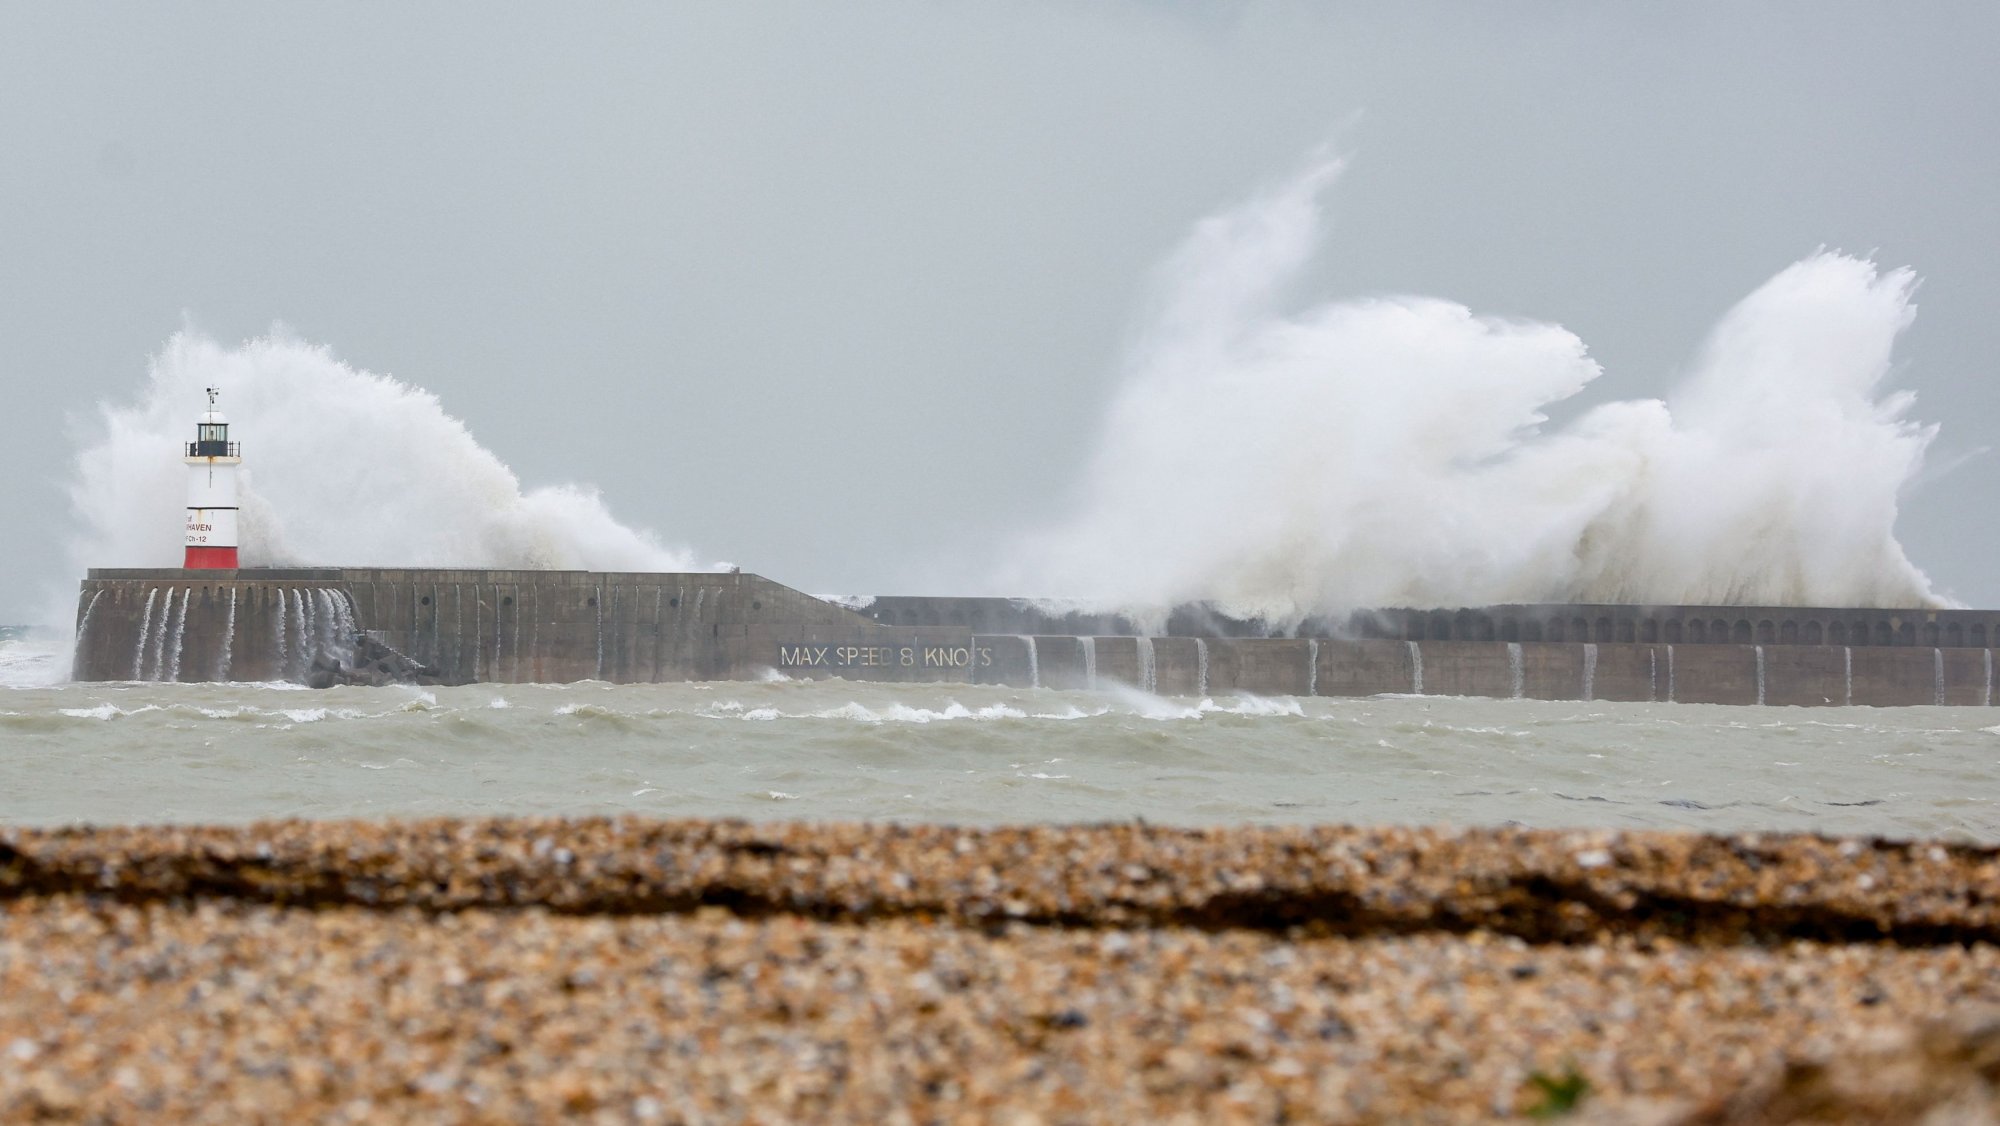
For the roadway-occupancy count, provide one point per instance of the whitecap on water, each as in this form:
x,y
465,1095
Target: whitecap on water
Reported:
x,y
1248,705
1072,712
902,713
101,711
856,712
1155,707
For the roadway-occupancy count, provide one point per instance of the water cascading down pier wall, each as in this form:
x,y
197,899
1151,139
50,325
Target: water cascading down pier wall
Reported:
x,y
464,626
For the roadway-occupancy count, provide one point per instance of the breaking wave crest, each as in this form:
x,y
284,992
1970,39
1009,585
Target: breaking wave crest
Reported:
x,y
1395,451
342,467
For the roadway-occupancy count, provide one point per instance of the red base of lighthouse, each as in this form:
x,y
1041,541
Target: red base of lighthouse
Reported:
x,y
210,559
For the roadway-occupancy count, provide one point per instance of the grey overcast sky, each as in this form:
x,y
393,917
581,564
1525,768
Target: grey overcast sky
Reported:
x,y
837,291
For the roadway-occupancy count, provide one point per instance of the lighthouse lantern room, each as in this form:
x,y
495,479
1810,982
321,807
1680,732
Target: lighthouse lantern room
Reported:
x,y
212,461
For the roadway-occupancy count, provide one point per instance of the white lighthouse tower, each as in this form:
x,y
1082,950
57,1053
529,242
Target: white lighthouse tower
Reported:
x,y
212,461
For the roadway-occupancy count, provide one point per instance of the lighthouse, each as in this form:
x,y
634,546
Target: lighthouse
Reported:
x,y
212,461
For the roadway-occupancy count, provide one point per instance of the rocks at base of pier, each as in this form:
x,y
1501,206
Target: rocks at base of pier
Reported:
x,y
372,664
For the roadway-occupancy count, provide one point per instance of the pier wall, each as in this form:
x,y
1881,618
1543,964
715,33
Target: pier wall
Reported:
x,y
467,626
1575,623
561,626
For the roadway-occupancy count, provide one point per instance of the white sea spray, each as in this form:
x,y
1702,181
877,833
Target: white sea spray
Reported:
x,y
1283,461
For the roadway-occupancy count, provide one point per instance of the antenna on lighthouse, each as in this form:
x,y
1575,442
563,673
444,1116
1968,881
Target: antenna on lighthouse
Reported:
x,y
212,461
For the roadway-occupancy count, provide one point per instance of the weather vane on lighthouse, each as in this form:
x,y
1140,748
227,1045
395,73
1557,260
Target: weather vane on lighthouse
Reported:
x,y
212,461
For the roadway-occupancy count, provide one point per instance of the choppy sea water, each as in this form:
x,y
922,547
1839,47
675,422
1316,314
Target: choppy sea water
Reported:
x,y
839,750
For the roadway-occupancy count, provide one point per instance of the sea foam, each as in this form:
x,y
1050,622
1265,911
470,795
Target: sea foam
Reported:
x,y
1282,462
341,467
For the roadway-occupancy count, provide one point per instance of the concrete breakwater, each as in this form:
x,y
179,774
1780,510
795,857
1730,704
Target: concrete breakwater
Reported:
x,y
462,626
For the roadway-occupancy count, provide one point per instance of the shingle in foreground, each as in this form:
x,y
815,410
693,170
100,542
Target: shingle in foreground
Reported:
x,y
626,970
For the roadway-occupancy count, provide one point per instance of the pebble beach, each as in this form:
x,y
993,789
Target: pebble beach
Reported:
x,y
627,970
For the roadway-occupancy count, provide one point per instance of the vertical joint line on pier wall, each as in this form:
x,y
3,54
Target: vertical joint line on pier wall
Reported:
x,y
478,631
277,634
228,639
308,631
180,635
83,633
145,627
159,652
